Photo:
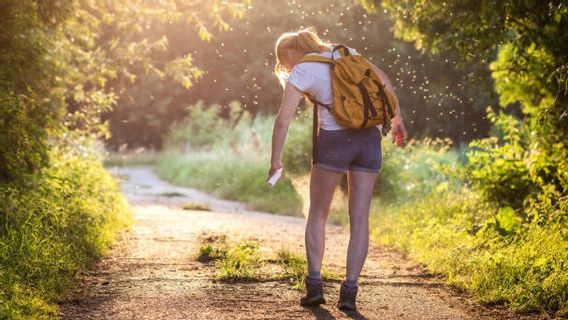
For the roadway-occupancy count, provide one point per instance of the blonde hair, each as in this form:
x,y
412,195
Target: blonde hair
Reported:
x,y
304,41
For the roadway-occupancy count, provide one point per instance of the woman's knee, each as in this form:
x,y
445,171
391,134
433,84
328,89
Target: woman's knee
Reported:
x,y
317,216
359,223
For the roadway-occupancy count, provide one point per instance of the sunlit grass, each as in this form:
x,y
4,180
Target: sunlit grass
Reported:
x,y
295,268
231,176
172,194
242,261
55,229
234,261
196,206
140,157
448,232
245,261
210,252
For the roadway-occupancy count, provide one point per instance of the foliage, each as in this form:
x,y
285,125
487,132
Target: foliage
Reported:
x,y
437,99
518,176
229,159
295,268
55,74
23,139
51,228
498,166
28,106
242,261
195,206
208,253
231,176
510,172
524,44
417,170
481,249
204,128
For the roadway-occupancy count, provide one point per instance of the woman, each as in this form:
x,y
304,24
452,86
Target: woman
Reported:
x,y
339,150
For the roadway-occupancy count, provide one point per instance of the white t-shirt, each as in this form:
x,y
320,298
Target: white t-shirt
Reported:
x,y
315,79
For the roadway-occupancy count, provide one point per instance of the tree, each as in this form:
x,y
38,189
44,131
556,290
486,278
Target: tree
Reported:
x,y
58,59
524,44
438,100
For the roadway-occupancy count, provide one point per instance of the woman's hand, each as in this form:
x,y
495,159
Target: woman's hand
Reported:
x,y
273,168
399,133
290,100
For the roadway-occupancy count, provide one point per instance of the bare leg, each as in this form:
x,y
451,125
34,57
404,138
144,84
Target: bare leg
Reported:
x,y
322,187
360,193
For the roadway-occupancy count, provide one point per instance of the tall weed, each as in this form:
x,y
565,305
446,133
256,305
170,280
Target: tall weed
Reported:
x,y
51,227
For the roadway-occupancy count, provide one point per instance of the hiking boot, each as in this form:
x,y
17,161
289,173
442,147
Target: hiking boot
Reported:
x,y
314,293
347,297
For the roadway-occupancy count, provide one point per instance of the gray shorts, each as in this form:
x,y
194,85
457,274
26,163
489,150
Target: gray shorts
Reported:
x,y
349,150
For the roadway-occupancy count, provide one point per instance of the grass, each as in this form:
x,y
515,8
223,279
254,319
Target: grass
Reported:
x,y
453,234
208,253
230,158
52,228
244,261
295,268
214,247
139,157
195,206
172,194
234,261
231,176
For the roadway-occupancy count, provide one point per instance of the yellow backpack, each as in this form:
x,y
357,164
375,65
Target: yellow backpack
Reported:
x,y
360,99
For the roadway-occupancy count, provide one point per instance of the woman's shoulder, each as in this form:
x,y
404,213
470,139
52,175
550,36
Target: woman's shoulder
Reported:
x,y
336,55
308,67
352,51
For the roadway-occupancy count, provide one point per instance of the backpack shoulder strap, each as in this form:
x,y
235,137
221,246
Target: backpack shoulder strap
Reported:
x,y
317,59
343,50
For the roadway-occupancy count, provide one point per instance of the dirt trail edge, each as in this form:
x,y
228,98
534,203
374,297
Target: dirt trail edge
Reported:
x,y
152,273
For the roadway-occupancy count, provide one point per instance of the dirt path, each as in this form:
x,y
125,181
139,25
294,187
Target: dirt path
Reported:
x,y
152,273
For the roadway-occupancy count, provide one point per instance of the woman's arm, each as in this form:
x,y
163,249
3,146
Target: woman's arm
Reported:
x,y
389,87
290,100
399,133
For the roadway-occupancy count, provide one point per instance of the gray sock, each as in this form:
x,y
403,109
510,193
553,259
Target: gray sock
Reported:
x,y
351,283
314,275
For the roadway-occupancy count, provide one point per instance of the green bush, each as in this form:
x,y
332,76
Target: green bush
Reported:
x,y
31,100
295,268
417,170
237,150
297,155
454,234
241,261
501,235
234,162
51,228
510,171
498,165
201,128
24,142
231,176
